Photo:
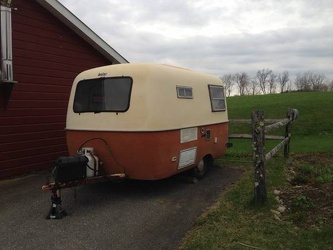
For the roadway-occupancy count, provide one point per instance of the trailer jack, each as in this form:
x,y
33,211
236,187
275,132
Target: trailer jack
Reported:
x,y
56,211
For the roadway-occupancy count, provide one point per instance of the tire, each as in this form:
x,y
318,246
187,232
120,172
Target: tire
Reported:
x,y
201,169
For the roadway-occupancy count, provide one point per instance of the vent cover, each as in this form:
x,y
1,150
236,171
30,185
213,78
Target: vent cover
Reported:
x,y
187,157
188,134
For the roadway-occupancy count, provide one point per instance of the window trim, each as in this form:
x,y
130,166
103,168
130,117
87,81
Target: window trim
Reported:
x,y
210,86
178,88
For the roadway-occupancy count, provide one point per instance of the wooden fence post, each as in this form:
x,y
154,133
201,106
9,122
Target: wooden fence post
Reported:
x,y
259,161
288,133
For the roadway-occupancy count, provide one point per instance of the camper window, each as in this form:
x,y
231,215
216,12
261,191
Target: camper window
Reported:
x,y
103,95
217,99
184,92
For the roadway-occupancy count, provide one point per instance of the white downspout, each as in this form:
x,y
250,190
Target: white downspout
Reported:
x,y
6,45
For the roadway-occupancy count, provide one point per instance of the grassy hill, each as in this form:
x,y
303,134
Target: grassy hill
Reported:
x,y
305,181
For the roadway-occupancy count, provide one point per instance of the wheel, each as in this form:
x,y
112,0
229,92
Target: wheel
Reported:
x,y
201,169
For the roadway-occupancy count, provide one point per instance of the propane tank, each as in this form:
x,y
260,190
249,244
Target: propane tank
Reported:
x,y
92,165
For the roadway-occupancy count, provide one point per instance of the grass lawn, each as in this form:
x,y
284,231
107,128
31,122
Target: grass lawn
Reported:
x,y
304,180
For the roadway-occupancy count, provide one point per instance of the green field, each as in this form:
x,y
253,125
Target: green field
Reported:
x,y
313,130
305,179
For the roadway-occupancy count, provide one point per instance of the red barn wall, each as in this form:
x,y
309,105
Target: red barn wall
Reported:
x,y
47,56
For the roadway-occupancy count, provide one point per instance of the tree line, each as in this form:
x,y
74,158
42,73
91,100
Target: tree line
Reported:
x,y
265,81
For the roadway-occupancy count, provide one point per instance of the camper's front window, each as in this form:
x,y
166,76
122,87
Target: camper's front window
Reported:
x,y
217,99
103,95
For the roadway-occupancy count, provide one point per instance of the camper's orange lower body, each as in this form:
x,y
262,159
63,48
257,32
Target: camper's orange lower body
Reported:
x,y
147,155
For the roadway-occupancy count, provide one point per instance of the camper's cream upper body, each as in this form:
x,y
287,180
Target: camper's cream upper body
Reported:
x,y
154,105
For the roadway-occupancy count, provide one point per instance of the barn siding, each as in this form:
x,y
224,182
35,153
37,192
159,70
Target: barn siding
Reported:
x,y
47,56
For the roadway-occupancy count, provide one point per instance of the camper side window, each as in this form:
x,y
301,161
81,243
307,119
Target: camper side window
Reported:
x,y
217,99
103,95
184,92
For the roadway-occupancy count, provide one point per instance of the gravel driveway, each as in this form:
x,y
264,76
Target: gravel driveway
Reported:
x,y
130,215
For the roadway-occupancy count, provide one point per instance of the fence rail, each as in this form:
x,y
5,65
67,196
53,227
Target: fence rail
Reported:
x,y
259,131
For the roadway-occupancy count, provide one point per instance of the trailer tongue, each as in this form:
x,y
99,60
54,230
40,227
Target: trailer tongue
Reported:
x,y
70,172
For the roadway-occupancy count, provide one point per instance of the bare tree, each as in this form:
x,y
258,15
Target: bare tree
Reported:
x,y
271,83
242,81
330,86
262,78
289,86
229,83
283,79
302,81
318,82
254,87
309,81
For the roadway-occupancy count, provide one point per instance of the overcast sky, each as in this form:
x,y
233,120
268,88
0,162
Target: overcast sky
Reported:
x,y
216,36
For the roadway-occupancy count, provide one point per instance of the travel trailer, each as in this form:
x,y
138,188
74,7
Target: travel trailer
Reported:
x,y
146,121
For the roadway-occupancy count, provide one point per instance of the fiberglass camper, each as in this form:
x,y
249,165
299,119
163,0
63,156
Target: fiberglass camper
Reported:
x,y
147,121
